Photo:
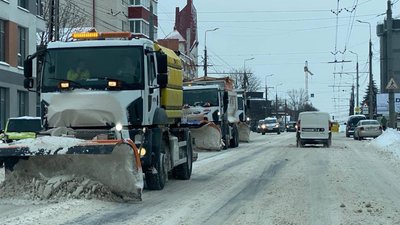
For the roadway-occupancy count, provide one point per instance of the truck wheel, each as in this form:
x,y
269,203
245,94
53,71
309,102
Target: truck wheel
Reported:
x,y
156,181
184,171
234,142
263,133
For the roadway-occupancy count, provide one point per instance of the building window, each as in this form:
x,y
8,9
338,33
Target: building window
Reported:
x,y
125,26
3,106
39,7
23,3
22,103
2,41
135,26
23,45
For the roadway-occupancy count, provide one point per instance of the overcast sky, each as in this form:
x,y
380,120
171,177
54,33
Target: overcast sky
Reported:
x,y
281,36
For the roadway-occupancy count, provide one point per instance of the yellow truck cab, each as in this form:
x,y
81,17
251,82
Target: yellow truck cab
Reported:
x,y
18,128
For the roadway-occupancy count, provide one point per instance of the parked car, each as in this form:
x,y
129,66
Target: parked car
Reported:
x,y
18,128
291,126
352,122
314,128
268,125
367,128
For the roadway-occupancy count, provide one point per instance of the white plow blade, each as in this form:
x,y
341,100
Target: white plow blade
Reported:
x,y
244,132
207,137
118,170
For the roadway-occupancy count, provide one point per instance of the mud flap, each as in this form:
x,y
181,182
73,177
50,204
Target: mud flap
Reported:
x,y
207,137
244,132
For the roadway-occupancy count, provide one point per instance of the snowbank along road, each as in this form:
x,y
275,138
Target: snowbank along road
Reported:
x,y
266,181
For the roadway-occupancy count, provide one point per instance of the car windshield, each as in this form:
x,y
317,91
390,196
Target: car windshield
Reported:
x,y
91,68
24,125
353,121
270,120
369,122
201,97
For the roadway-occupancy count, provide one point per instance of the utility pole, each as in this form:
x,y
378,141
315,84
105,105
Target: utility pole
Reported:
x,y
306,71
357,83
371,83
205,50
389,26
57,20
51,22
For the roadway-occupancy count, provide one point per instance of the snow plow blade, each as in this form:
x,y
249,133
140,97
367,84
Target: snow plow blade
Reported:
x,y
244,132
207,137
114,164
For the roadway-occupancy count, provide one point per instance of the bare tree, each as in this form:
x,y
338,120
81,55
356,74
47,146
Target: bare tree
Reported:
x,y
253,82
297,102
72,18
297,99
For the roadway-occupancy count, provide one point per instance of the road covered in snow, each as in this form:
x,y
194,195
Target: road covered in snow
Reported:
x,y
266,181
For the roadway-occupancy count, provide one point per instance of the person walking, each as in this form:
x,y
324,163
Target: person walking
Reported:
x,y
384,122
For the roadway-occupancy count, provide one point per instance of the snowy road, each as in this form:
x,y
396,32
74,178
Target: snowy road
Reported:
x,y
267,181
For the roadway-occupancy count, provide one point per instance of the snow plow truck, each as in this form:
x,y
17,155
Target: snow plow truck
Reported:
x,y
211,113
115,120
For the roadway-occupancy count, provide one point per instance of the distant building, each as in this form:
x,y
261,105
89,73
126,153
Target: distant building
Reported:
x,y
186,25
136,16
395,51
19,22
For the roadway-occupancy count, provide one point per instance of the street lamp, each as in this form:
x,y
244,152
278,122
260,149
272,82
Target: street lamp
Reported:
x,y
244,74
205,50
276,99
371,104
357,85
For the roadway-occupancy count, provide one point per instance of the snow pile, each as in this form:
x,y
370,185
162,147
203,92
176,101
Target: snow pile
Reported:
x,y
49,143
389,140
56,188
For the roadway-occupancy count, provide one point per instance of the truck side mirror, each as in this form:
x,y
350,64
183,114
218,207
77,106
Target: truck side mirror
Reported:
x,y
28,83
28,67
162,63
162,80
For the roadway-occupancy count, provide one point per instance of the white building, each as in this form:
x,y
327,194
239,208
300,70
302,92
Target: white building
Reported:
x,y
20,20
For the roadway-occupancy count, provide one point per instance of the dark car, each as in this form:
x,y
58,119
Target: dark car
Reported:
x,y
268,125
352,122
291,126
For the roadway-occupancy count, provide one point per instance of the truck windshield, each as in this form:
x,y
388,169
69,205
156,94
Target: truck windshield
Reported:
x,y
22,125
92,67
204,97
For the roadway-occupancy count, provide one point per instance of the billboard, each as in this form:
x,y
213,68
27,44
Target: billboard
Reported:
x,y
382,103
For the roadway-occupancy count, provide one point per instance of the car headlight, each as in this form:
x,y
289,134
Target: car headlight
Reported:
x,y
263,126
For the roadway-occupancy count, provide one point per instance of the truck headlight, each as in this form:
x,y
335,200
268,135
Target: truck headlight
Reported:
x,y
118,127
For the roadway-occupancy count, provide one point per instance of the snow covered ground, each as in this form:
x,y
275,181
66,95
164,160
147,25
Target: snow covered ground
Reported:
x,y
389,141
266,181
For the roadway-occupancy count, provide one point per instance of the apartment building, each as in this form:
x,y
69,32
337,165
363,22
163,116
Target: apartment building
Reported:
x,y
20,20
136,16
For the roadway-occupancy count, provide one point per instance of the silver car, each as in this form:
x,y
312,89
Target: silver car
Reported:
x,y
367,128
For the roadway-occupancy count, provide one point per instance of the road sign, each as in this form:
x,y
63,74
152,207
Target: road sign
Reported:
x,y
392,84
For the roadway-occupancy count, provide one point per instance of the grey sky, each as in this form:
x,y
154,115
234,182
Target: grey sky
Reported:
x,y
281,36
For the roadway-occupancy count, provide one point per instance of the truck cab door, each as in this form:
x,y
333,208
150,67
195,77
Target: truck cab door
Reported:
x,y
153,90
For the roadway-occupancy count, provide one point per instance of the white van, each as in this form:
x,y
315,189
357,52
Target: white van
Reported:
x,y
313,128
